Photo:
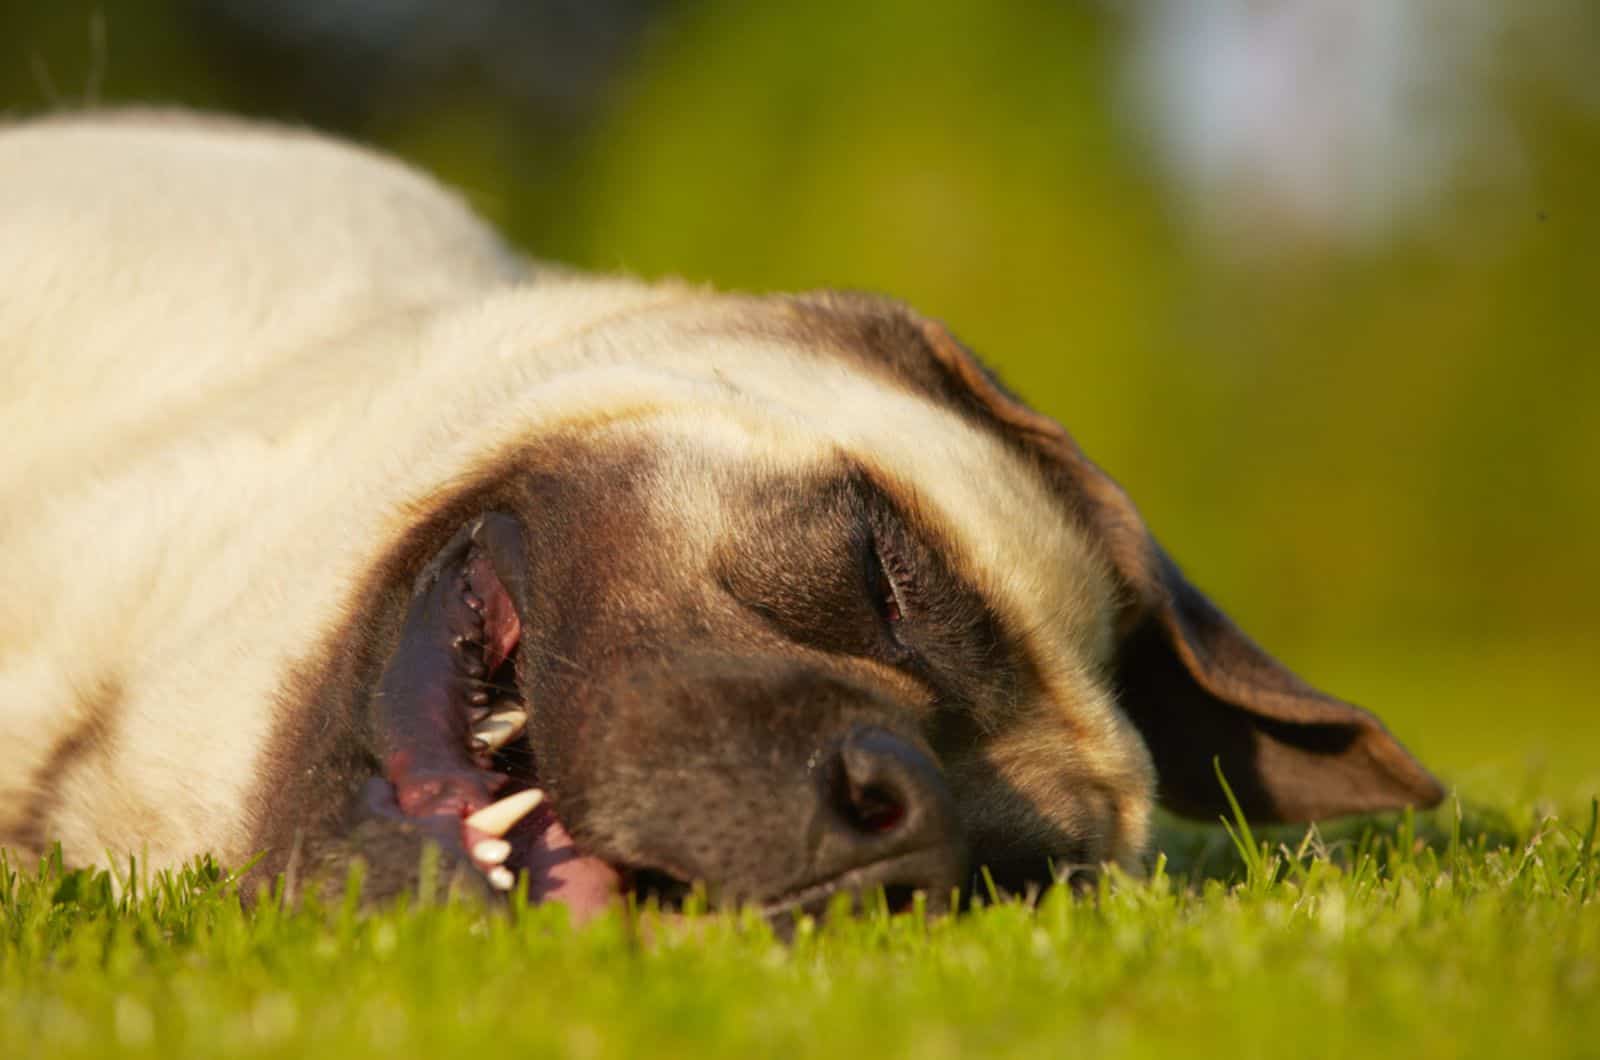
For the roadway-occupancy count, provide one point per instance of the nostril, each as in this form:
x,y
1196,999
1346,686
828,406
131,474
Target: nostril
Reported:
x,y
888,821
872,808
877,784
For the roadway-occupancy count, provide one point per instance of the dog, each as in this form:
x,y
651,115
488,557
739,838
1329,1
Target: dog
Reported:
x,y
335,529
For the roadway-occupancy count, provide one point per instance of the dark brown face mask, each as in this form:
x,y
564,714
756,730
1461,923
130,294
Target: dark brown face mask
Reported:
x,y
807,711
737,741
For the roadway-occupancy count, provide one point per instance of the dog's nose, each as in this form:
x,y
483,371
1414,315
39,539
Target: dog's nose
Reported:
x,y
890,820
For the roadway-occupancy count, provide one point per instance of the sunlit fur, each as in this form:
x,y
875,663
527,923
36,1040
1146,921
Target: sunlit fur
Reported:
x,y
239,361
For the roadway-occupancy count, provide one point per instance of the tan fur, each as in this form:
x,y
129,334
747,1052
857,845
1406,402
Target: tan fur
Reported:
x,y
200,321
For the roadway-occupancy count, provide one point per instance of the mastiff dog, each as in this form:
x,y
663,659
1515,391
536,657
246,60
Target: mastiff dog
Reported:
x,y
333,528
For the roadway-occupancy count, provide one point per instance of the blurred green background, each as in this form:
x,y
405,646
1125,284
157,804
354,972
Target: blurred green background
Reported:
x,y
1362,413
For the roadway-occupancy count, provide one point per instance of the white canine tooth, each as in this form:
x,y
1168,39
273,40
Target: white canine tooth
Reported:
x,y
500,728
491,851
500,878
497,818
511,716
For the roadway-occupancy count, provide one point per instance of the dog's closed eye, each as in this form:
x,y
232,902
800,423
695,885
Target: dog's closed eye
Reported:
x,y
894,587
886,591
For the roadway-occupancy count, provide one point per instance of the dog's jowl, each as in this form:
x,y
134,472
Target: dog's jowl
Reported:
x,y
333,528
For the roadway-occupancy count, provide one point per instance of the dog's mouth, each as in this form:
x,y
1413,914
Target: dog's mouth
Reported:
x,y
520,834
453,719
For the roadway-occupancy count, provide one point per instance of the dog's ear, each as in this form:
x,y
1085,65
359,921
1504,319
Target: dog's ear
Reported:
x,y
1192,682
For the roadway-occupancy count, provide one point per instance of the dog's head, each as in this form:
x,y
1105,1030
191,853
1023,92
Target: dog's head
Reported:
x,y
817,604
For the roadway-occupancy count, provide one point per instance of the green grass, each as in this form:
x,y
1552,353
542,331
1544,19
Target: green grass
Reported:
x,y
1457,933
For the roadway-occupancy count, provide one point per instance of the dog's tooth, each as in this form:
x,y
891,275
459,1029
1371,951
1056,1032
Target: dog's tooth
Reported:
x,y
491,851
491,734
501,878
478,698
500,728
473,600
497,818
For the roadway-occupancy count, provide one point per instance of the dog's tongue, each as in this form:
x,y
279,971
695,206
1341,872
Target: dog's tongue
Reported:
x,y
557,872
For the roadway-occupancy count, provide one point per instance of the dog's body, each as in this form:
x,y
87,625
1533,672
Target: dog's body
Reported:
x,y
255,385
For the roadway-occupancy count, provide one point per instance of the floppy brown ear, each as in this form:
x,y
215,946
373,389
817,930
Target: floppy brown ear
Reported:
x,y
1196,687
1192,682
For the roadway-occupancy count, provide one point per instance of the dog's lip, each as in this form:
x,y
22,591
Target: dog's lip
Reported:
x,y
519,833
813,898
536,846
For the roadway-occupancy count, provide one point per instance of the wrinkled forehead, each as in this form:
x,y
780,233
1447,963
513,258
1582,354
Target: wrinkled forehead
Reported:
x,y
769,407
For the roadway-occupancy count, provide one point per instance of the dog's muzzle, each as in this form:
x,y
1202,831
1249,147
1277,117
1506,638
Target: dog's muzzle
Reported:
x,y
767,779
